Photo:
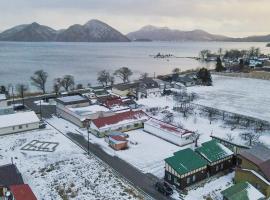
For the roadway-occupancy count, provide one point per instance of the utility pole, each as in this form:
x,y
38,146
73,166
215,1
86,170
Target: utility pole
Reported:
x,y
88,144
40,110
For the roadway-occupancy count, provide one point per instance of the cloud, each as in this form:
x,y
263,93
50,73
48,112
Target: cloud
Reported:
x,y
230,17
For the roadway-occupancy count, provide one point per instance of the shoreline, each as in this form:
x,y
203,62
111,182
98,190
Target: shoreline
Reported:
x,y
254,75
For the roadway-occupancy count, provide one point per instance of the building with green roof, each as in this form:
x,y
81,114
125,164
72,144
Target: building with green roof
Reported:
x,y
185,168
218,156
242,191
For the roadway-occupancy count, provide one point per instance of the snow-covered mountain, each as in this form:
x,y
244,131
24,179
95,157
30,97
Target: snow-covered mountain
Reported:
x,y
29,32
92,31
167,34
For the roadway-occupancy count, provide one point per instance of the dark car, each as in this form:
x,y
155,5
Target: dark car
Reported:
x,y
164,188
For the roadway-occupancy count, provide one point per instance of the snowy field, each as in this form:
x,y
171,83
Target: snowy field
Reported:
x,y
245,96
66,173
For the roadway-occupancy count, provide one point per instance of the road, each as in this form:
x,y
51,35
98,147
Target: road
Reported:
x,y
138,179
144,182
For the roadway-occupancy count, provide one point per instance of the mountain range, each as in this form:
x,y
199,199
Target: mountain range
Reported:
x,y
98,31
92,31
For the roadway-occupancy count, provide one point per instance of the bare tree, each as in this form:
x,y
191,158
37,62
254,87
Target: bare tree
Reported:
x,y
251,137
103,77
39,80
176,71
21,89
123,73
195,137
68,82
230,137
57,85
204,53
144,75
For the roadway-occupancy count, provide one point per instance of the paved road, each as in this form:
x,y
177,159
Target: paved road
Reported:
x,y
140,180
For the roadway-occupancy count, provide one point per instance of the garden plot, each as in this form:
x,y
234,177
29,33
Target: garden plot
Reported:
x,y
36,145
244,96
66,173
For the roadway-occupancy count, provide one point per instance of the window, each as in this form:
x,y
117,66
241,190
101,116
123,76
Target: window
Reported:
x,y
176,181
128,126
20,126
169,177
136,125
188,180
194,178
217,168
221,166
120,128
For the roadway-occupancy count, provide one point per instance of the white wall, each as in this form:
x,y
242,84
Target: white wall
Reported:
x,y
166,135
15,129
3,103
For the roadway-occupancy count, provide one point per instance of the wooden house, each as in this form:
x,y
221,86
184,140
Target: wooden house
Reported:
x,y
185,168
253,165
218,156
242,191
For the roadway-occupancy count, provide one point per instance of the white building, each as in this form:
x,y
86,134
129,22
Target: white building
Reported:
x,y
168,132
3,100
18,122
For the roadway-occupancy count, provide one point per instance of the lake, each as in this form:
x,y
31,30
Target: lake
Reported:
x,y
18,60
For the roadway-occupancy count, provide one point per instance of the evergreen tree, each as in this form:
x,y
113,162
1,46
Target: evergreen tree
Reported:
x,y
219,65
204,76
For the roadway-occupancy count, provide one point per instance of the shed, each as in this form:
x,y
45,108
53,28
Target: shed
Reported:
x,y
118,142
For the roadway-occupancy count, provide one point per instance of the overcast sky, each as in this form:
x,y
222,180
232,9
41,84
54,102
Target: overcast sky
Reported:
x,y
229,17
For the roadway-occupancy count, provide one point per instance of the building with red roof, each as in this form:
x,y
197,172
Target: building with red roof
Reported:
x,y
169,132
123,121
22,192
118,142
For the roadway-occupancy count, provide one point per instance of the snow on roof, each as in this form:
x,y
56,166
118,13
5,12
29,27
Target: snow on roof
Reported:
x,y
87,110
71,99
22,192
2,97
167,127
19,118
120,118
117,139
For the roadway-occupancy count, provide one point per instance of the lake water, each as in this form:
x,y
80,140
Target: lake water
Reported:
x,y
18,60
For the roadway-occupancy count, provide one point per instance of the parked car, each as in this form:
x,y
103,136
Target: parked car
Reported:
x,y
42,125
164,188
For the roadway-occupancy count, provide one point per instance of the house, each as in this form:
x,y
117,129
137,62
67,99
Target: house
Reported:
x,y
72,101
77,109
186,81
99,91
3,100
242,191
10,175
253,165
147,87
125,89
168,132
18,122
185,168
218,156
123,121
114,103
21,192
117,142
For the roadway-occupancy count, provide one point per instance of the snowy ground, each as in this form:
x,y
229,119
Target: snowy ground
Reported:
x,y
67,172
245,96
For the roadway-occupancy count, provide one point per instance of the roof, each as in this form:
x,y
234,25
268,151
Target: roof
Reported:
x,y
2,97
68,100
148,83
167,127
10,175
113,101
88,110
19,118
22,192
242,191
213,151
118,133
120,118
126,86
185,161
260,156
